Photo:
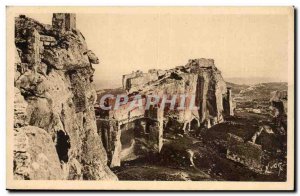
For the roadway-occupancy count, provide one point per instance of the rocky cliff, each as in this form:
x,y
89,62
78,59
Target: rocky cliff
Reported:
x,y
54,123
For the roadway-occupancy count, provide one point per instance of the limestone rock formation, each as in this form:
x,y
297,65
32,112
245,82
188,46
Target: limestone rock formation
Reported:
x,y
55,125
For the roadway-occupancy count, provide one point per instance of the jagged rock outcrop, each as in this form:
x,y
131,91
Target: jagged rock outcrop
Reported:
x,y
55,126
279,109
279,102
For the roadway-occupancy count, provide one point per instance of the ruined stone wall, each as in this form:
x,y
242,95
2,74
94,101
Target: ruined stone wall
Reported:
x,y
138,79
55,126
129,134
198,77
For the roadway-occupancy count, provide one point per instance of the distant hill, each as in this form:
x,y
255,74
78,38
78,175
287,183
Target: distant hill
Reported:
x,y
249,92
114,92
236,88
255,96
263,90
252,80
260,91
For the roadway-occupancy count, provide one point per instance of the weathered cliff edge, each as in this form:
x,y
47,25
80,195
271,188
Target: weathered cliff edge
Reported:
x,y
55,130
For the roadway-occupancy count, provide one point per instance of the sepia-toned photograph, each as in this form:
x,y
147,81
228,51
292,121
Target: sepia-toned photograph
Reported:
x,y
150,98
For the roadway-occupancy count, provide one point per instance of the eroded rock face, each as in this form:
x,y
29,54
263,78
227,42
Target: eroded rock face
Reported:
x,y
20,107
54,115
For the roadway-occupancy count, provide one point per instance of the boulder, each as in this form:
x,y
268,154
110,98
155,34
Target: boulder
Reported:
x,y
35,156
92,57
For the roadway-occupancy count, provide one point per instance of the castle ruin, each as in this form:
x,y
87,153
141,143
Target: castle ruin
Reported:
x,y
128,134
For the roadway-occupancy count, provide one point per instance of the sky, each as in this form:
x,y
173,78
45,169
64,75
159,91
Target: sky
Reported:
x,y
248,46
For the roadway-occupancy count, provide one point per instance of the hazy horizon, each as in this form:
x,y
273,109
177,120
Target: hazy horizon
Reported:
x,y
243,46
236,80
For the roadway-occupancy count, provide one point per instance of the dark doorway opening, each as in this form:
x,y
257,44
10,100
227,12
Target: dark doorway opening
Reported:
x,y
62,145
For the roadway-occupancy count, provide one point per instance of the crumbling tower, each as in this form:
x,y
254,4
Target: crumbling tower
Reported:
x,y
64,21
33,49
